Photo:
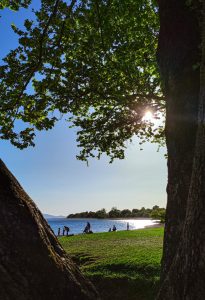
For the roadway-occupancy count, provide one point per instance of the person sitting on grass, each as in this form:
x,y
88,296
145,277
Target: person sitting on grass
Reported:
x,y
114,228
87,228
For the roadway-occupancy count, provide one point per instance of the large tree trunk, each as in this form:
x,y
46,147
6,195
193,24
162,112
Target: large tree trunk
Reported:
x,y
183,276
178,55
33,265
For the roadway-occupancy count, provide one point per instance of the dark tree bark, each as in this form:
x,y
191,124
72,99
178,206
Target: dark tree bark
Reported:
x,y
183,264
178,53
33,265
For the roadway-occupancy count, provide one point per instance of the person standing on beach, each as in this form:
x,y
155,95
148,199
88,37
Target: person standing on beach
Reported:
x,y
59,231
66,229
128,226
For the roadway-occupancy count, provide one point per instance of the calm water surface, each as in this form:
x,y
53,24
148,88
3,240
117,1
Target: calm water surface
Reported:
x,y
97,225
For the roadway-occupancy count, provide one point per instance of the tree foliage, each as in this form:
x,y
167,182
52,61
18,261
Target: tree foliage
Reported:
x,y
90,60
155,213
14,4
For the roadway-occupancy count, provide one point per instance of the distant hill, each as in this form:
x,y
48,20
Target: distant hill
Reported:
x,y
47,216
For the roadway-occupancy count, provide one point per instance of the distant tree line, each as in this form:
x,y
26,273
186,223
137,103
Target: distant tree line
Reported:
x,y
155,212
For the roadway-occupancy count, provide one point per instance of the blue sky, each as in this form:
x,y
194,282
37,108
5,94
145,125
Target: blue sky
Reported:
x,y
59,184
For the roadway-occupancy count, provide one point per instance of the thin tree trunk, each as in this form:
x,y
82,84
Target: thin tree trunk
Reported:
x,y
33,265
178,53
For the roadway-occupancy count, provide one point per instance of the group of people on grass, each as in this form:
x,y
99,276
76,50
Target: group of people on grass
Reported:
x,y
65,230
87,229
113,228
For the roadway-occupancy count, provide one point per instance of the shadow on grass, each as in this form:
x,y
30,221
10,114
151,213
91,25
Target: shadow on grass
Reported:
x,y
149,272
117,281
126,289
83,259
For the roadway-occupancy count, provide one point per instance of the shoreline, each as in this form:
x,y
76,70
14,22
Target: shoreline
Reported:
x,y
137,218
157,225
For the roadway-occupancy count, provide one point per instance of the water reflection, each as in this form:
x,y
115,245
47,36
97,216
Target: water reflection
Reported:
x,y
98,225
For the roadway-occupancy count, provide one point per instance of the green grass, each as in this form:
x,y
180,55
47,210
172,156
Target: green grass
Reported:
x,y
122,265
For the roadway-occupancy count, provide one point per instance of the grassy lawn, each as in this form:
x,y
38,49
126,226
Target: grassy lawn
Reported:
x,y
122,265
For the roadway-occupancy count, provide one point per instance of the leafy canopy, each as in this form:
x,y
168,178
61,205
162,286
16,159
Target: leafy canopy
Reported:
x,y
14,4
91,60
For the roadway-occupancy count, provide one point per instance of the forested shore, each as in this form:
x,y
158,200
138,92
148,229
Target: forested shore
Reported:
x,y
155,212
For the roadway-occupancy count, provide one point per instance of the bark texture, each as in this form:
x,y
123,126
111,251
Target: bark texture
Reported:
x,y
183,275
178,56
33,265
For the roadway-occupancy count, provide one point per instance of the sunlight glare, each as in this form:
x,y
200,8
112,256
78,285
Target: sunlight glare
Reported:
x,y
148,117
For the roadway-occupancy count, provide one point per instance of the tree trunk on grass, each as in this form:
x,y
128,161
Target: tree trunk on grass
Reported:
x,y
178,52
33,265
183,264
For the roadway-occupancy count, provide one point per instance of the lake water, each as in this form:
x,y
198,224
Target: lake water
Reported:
x,y
97,225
